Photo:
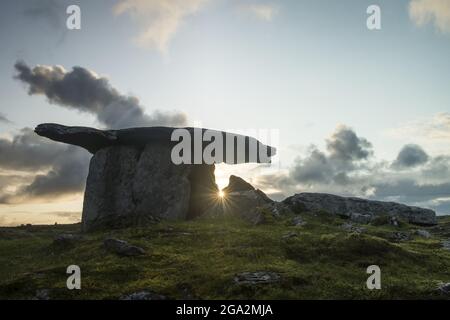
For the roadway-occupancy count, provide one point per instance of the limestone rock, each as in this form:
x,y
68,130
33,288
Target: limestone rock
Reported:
x,y
423,233
336,205
237,184
360,218
66,239
444,288
349,227
131,186
143,295
400,236
94,140
253,278
122,248
298,221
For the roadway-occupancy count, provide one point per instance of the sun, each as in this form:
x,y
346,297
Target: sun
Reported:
x,y
221,194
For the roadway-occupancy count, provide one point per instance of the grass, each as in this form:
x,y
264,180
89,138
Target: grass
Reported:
x,y
198,260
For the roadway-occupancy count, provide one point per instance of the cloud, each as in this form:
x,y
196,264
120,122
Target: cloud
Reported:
x,y
26,151
84,90
437,12
67,176
4,119
51,12
348,168
432,133
265,12
42,168
159,19
410,156
345,146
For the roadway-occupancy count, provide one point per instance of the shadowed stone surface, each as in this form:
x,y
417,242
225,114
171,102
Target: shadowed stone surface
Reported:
x,y
94,140
343,206
131,186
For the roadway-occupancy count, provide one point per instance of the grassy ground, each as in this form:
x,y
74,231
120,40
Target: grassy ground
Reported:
x,y
199,259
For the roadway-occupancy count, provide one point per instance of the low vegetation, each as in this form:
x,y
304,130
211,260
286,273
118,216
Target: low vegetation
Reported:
x,y
199,259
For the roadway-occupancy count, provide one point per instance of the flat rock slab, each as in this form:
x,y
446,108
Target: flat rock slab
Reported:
x,y
94,140
122,248
260,277
365,209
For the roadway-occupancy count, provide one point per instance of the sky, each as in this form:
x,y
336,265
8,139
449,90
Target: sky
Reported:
x,y
358,112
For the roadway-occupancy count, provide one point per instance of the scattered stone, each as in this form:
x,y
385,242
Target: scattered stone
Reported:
x,y
298,221
423,233
342,206
444,288
122,248
260,277
66,239
393,221
42,294
446,244
400,236
361,218
143,295
349,227
290,235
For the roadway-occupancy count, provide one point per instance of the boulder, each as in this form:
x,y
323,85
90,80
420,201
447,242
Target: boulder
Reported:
x,y
66,239
237,184
361,218
342,206
122,248
260,277
423,233
446,244
243,200
444,288
298,221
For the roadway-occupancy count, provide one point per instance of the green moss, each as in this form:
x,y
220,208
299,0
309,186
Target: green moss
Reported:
x,y
199,259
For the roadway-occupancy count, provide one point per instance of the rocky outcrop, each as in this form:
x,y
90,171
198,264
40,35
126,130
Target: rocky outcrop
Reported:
x,y
360,208
243,200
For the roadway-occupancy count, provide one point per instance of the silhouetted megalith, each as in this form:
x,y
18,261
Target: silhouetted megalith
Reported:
x,y
132,178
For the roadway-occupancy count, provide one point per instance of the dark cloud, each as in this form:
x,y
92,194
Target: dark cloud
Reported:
x,y
345,152
411,191
28,151
64,168
316,167
83,90
410,156
67,176
345,146
49,11
4,119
